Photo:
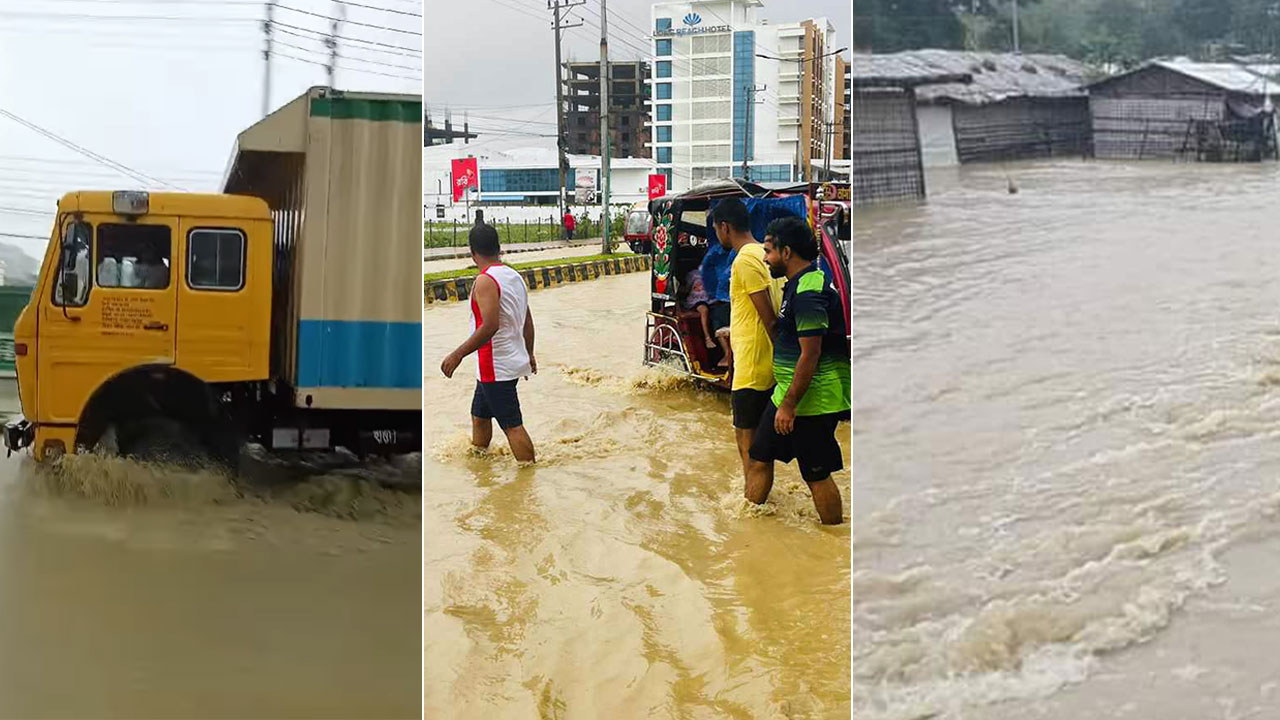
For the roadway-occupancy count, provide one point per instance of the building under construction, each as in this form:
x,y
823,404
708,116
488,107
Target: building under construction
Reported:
x,y
433,134
628,108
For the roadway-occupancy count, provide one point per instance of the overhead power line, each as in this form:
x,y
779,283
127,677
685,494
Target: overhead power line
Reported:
x,y
411,53
129,18
121,167
349,22
346,67
379,9
323,34
353,59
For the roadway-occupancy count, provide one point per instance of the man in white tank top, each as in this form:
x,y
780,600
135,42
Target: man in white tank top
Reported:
x,y
502,339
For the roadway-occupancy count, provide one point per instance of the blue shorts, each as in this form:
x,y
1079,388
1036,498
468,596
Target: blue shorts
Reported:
x,y
497,401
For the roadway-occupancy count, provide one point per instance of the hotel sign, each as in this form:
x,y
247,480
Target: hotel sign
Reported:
x,y
697,30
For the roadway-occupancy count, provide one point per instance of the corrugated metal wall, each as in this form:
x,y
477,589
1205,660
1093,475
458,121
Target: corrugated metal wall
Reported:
x,y
885,148
1022,128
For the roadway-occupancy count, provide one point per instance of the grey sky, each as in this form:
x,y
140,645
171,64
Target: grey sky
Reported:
x,y
501,52
165,97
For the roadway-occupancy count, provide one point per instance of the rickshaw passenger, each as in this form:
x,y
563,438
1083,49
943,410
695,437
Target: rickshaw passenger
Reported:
x,y
694,297
717,264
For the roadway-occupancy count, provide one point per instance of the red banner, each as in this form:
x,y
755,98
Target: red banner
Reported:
x,y
464,176
657,186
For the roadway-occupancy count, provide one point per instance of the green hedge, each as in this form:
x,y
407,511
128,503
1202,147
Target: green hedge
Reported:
x,y
439,234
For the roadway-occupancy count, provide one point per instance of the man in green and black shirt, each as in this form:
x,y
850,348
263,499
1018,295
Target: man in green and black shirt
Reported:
x,y
811,368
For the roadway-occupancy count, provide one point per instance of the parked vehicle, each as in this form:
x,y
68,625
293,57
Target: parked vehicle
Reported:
x,y
283,312
673,335
637,232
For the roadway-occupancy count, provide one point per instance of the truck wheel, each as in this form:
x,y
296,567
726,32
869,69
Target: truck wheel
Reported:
x,y
162,440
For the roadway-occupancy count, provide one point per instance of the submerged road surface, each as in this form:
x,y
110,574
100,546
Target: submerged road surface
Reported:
x,y
621,576
1066,488
129,592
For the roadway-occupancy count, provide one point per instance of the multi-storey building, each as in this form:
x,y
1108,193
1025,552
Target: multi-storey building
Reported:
x,y
628,108
732,91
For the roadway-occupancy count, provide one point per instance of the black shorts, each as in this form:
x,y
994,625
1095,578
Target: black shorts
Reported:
x,y
497,400
812,444
719,315
748,406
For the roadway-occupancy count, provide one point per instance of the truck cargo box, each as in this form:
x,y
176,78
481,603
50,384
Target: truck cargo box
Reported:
x,y
341,172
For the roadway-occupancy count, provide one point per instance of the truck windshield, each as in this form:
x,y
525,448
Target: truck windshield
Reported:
x,y
638,223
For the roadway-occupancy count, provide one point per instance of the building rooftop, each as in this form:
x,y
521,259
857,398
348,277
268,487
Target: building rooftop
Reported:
x,y
1248,79
993,77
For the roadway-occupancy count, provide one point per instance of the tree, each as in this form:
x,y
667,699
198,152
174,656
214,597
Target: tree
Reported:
x,y
891,25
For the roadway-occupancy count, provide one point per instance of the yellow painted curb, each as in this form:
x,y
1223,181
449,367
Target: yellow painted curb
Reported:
x,y
457,289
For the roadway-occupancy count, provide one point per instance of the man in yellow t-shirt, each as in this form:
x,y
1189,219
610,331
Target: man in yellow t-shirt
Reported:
x,y
753,309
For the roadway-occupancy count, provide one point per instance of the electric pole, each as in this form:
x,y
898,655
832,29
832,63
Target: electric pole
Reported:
x,y
331,42
1016,49
556,6
266,60
605,140
751,91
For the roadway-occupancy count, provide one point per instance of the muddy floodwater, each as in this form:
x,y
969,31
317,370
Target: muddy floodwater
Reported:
x,y
621,576
1067,420
133,592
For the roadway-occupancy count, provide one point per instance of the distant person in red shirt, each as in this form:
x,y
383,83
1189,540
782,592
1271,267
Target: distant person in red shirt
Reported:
x,y
569,224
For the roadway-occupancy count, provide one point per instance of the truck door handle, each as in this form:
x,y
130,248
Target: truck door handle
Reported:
x,y
156,326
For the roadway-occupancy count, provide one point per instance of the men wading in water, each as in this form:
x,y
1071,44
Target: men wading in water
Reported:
x,y
811,365
752,313
502,338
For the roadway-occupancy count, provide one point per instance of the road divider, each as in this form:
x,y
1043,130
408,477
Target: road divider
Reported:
x,y
550,274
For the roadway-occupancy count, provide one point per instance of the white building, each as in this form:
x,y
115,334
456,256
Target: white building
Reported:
x,y
707,71
525,174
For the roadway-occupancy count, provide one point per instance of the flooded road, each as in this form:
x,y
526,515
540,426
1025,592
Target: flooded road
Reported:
x,y
132,593
1067,419
621,576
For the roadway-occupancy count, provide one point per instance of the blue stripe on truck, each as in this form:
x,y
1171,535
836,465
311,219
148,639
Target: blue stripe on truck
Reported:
x,y
338,353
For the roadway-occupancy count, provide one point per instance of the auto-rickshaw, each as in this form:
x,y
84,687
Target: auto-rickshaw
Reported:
x,y
681,229
636,230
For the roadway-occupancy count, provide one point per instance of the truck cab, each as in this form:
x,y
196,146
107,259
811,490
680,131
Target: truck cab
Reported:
x,y
147,306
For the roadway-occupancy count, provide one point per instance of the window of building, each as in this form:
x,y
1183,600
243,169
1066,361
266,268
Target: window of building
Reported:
x,y
664,91
582,121
215,259
523,180
664,113
626,120
664,133
582,137
662,47
661,24
133,256
664,68
664,155
626,138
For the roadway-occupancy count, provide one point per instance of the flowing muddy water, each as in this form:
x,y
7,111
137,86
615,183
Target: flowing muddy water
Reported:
x,y
135,592
1067,417
621,576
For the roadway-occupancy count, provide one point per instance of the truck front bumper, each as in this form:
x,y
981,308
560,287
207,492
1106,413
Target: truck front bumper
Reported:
x,y
18,434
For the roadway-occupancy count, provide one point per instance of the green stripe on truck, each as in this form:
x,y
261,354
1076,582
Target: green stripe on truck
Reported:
x,y
360,109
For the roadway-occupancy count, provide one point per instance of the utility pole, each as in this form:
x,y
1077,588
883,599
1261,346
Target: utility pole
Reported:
x,y
605,143
556,6
751,91
331,42
266,60
1016,48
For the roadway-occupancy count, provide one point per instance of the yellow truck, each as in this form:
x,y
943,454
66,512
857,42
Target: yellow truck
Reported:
x,y
285,311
